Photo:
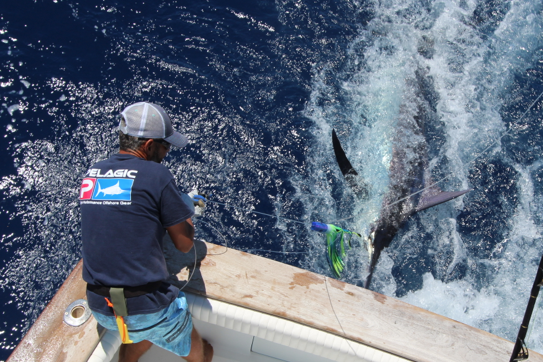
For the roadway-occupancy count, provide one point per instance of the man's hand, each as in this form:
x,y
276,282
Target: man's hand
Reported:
x,y
199,202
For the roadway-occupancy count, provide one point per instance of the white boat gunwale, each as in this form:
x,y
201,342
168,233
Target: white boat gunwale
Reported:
x,y
249,281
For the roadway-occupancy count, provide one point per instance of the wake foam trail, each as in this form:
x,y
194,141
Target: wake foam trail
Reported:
x,y
469,259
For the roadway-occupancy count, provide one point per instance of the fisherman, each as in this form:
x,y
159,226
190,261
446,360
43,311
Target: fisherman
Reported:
x,y
126,203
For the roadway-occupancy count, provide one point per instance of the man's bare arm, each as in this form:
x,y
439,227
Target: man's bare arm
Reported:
x,y
182,235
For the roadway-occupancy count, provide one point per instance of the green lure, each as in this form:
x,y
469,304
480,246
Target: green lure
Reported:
x,y
335,243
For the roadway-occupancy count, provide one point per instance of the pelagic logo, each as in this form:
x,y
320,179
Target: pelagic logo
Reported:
x,y
106,189
113,185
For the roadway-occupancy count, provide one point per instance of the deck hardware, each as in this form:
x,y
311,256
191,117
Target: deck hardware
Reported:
x,y
77,313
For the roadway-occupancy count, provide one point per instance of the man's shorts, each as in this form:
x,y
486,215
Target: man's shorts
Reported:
x,y
170,328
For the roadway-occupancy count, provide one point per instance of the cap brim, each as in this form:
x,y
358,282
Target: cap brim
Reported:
x,y
177,140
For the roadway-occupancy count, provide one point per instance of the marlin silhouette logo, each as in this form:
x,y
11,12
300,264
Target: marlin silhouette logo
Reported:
x,y
111,190
117,189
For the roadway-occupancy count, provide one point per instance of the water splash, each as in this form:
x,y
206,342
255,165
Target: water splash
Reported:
x,y
471,56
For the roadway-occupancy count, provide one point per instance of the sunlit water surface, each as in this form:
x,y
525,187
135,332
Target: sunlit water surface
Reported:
x,y
257,88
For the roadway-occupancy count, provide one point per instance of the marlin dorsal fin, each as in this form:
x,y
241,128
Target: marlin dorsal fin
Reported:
x,y
356,182
342,160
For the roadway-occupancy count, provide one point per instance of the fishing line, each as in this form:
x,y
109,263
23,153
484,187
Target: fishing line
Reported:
x,y
246,250
278,252
220,234
196,255
193,269
258,212
337,318
335,239
477,156
195,266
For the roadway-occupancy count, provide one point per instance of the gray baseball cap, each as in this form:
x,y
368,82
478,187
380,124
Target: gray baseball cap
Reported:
x,y
148,120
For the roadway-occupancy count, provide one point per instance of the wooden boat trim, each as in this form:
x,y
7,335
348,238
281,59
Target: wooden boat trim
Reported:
x,y
366,317
50,339
296,295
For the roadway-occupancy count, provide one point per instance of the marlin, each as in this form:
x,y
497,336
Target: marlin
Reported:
x,y
410,188
111,190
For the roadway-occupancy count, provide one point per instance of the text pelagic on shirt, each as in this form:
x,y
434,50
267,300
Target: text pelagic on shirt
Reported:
x,y
96,172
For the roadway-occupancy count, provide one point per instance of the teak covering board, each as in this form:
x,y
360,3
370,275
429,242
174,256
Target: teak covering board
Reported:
x,y
264,285
364,316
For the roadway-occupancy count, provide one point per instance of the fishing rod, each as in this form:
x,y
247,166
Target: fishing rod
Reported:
x,y
520,351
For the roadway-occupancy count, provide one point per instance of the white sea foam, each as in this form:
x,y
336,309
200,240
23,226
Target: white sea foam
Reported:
x,y
13,108
472,67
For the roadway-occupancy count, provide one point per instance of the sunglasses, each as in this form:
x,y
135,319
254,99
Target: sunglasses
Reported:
x,y
167,145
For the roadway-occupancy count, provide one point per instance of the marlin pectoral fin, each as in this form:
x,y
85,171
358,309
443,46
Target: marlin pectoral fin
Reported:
x,y
440,198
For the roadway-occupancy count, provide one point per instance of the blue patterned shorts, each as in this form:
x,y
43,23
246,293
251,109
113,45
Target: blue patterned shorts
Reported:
x,y
170,328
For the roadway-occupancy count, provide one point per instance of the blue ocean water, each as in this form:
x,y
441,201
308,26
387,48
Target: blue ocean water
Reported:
x,y
257,88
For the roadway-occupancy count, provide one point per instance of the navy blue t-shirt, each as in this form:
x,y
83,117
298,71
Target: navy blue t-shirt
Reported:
x,y
126,204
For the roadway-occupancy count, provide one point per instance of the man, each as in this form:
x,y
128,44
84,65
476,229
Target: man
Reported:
x,y
126,203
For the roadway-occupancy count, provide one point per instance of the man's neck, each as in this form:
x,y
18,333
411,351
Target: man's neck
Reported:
x,y
137,153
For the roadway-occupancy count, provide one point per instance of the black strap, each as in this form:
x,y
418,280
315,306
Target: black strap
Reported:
x,y
129,292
